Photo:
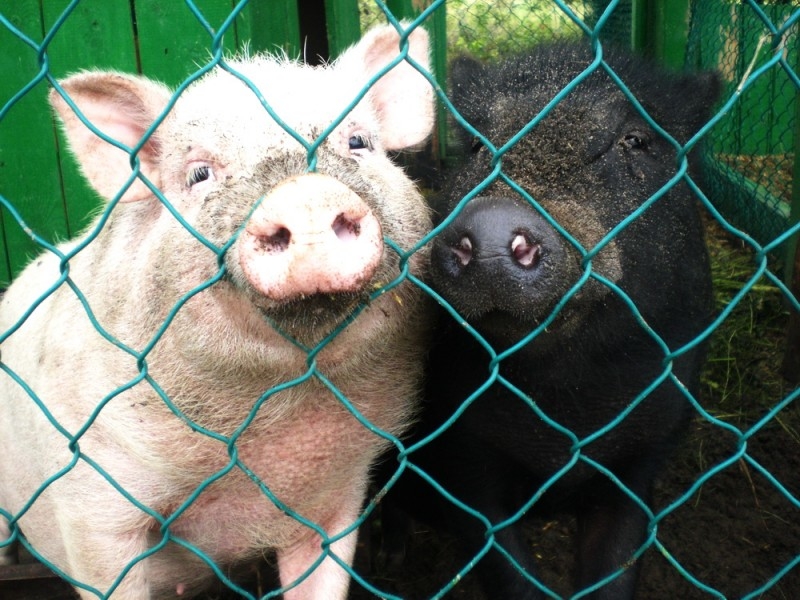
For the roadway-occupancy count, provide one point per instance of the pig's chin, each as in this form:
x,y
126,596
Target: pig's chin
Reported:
x,y
503,313
504,328
309,318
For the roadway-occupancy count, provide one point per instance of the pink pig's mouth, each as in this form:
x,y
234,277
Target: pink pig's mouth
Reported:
x,y
320,313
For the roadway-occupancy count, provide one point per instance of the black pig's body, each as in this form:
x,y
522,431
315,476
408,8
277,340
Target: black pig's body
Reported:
x,y
505,268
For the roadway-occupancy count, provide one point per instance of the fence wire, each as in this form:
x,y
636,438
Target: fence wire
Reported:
x,y
490,30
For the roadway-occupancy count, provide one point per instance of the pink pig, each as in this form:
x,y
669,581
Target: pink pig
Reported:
x,y
242,389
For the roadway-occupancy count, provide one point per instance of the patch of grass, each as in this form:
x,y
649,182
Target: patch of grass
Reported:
x,y
741,380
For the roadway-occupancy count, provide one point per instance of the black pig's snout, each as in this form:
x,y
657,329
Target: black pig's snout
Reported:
x,y
500,254
522,250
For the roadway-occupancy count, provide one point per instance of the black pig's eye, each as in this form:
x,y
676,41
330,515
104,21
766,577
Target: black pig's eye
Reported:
x,y
198,174
634,141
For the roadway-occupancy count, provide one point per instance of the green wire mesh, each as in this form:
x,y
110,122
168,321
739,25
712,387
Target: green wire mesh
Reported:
x,y
489,31
750,159
749,165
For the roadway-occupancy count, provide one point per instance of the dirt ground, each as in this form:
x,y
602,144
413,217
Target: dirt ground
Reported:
x,y
735,532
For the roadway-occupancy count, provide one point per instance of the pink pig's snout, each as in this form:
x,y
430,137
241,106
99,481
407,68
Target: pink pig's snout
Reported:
x,y
311,234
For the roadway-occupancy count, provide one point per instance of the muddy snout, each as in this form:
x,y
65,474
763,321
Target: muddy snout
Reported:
x,y
311,234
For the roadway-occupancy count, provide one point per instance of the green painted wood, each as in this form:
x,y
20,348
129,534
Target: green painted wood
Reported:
x,y
638,25
173,42
344,25
37,176
272,26
36,173
670,31
437,26
97,35
402,9
162,39
25,144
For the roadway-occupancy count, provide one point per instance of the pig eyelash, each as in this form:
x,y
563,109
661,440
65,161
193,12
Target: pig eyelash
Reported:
x,y
198,175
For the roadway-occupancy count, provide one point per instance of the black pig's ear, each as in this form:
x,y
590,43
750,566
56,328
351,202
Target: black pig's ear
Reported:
x,y
705,89
466,81
464,72
690,102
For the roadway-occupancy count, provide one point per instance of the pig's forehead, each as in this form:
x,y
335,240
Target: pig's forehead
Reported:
x,y
307,99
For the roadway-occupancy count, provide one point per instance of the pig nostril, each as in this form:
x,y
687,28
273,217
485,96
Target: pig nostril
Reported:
x,y
276,242
345,228
526,253
463,251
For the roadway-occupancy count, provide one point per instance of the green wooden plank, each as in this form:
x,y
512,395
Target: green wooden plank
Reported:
x,y
402,9
344,25
271,26
671,32
173,43
28,160
437,27
638,25
98,34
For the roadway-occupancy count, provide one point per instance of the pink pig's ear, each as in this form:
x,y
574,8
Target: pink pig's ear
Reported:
x,y
403,97
123,107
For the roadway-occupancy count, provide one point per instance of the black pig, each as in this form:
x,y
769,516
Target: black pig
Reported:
x,y
504,266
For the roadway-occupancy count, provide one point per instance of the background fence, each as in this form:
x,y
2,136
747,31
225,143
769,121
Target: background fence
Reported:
x,y
735,532
752,159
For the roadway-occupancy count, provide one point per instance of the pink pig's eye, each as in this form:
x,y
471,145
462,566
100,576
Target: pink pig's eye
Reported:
x,y
198,174
359,142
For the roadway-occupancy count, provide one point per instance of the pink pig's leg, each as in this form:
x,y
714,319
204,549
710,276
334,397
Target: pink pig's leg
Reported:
x,y
7,553
329,580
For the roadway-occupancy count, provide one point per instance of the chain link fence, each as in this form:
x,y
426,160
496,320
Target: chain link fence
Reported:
x,y
487,32
751,158
725,517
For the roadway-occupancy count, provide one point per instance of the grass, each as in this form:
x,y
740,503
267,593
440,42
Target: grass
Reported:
x,y
741,380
